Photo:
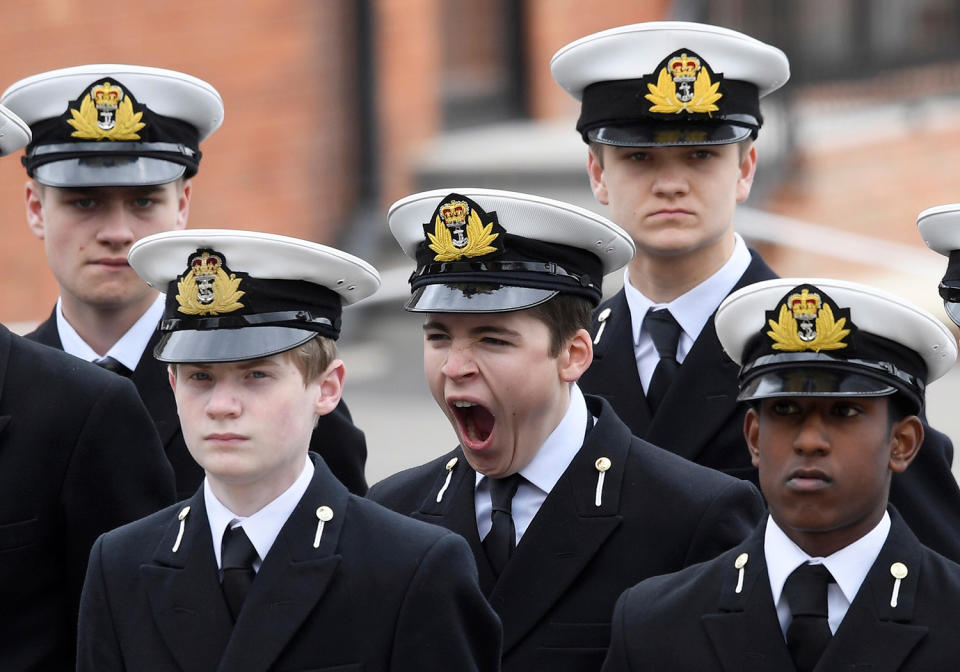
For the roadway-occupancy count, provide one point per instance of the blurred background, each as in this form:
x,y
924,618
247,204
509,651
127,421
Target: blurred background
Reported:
x,y
336,108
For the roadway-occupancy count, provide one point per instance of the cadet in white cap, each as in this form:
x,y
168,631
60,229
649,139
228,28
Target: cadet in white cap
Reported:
x,y
670,111
78,456
114,151
940,228
562,507
272,563
833,579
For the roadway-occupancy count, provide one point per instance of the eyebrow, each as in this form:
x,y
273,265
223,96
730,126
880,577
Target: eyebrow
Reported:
x,y
475,331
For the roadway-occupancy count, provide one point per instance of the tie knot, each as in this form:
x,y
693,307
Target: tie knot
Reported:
x,y
806,590
502,491
664,330
111,364
236,551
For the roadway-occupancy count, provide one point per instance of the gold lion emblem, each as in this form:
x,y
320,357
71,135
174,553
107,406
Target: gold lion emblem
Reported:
x,y
478,243
110,117
207,289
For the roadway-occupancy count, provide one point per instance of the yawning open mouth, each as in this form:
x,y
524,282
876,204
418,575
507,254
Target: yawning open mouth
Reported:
x,y
476,422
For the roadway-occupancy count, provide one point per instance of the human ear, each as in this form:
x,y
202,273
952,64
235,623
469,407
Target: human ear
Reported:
x,y
906,436
576,356
34,205
183,204
748,168
751,432
598,183
330,387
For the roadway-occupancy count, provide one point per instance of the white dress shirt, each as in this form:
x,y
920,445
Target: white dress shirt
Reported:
x,y
543,472
262,527
849,567
127,350
691,310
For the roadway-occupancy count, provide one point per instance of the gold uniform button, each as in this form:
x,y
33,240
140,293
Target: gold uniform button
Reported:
x,y
603,463
898,570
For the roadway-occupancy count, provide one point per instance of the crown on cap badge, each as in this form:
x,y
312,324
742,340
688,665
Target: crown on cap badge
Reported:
x,y
683,85
806,322
106,113
459,231
206,288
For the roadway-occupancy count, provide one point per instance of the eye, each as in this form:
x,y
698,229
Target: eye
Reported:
x,y
200,376
84,203
639,156
846,410
257,374
143,203
499,342
701,154
783,407
434,336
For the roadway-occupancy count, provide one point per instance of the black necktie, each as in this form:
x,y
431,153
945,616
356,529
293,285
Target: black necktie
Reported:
x,y
502,538
665,332
809,633
110,364
237,556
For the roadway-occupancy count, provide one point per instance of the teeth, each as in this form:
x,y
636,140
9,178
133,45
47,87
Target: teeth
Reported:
x,y
464,404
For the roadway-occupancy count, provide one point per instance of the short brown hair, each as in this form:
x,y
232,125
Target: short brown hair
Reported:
x,y
564,315
313,357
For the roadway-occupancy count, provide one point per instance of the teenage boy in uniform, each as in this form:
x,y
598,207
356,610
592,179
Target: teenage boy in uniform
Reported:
x,y
562,507
670,111
833,579
272,564
114,151
78,456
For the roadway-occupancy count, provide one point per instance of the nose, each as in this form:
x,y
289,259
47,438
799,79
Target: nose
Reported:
x,y
223,401
459,362
671,182
811,437
115,227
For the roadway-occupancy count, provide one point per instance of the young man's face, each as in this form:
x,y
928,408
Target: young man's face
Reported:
x,y
248,423
673,200
88,232
493,376
825,464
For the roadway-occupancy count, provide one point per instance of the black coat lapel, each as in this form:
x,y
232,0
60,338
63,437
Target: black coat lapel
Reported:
x,y
153,384
566,533
706,387
293,578
184,592
744,629
705,390
6,340
456,511
875,635
613,374
46,332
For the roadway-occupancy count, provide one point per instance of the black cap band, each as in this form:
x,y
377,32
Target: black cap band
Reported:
x,y
622,103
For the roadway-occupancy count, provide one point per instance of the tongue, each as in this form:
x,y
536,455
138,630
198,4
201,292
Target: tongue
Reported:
x,y
478,422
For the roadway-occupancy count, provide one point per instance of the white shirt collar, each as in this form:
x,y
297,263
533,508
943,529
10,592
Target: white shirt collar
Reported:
x,y
128,350
693,308
263,526
849,566
543,471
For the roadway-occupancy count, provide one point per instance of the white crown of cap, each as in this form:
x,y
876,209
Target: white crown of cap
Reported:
x,y
519,214
162,257
741,316
14,133
631,52
940,228
166,92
